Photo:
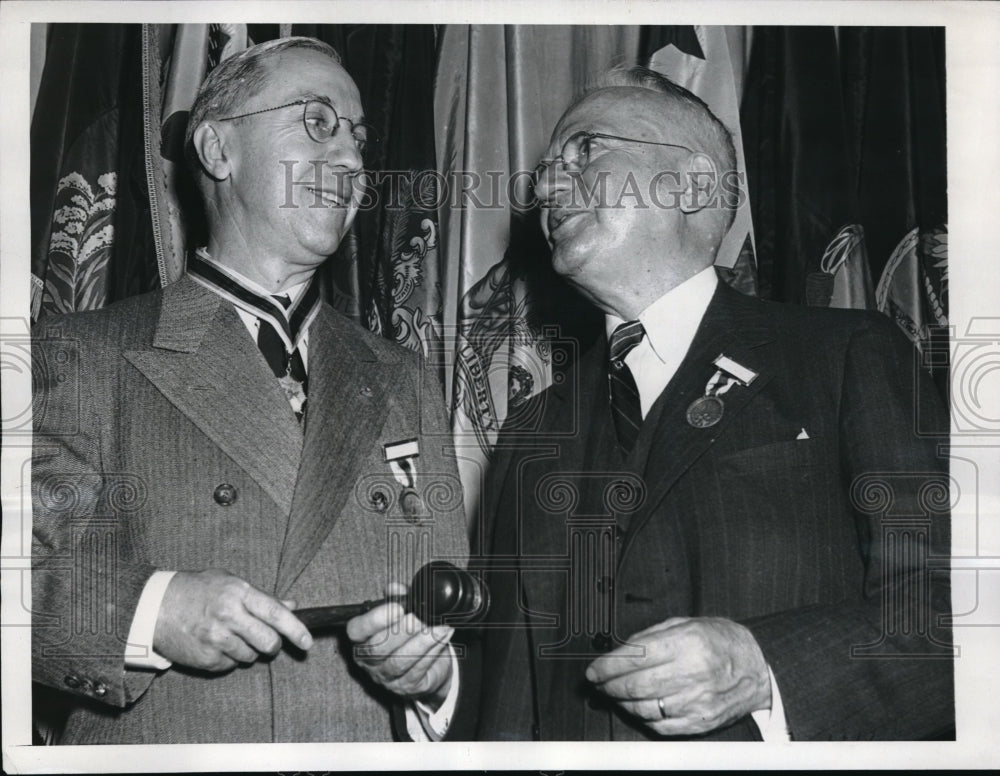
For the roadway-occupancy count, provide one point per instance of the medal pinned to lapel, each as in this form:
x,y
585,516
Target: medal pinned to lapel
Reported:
x,y
706,411
401,457
294,393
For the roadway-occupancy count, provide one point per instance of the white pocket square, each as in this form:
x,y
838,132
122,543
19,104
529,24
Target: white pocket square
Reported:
x,y
803,434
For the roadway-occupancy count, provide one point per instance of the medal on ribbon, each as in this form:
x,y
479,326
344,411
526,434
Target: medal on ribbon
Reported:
x,y
707,410
294,393
401,457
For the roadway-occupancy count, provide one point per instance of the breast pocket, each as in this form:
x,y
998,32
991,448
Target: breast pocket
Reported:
x,y
771,528
771,459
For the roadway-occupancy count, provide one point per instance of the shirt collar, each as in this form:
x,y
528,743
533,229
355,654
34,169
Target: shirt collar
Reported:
x,y
293,292
672,320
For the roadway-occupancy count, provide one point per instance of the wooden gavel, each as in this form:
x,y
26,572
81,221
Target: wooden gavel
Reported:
x,y
440,593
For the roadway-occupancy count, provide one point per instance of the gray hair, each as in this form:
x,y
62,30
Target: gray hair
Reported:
x,y
718,138
236,80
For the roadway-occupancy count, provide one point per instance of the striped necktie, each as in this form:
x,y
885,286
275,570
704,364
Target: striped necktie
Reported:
x,y
626,411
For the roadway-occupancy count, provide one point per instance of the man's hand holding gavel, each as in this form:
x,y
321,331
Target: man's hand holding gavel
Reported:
x,y
213,620
401,653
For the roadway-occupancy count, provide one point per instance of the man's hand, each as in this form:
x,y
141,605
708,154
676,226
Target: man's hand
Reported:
x,y
401,653
213,620
705,672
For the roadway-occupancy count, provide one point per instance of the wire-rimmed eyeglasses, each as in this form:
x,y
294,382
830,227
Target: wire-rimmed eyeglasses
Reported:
x,y
322,122
575,152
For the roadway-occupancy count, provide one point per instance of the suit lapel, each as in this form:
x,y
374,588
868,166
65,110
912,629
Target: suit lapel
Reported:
x,y
204,361
731,327
348,406
570,410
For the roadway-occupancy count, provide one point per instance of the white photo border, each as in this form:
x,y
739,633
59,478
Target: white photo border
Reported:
x,y
973,80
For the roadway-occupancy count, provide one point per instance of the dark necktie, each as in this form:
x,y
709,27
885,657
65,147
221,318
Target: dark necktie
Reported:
x,y
626,410
282,363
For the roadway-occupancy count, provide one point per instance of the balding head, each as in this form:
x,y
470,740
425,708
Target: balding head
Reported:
x,y
235,81
632,189
279,194
692,122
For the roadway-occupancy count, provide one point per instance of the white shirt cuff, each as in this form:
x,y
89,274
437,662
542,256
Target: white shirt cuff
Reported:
x,y
139,652
425,725
771,722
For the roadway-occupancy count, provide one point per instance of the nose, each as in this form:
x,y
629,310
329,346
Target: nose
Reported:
x,y
344,165
343,151
552,183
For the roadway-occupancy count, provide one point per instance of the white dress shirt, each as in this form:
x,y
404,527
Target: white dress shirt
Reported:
x,y
421,723
670,324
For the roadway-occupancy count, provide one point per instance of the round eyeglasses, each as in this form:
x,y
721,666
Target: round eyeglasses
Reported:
x,y
322,122
575,153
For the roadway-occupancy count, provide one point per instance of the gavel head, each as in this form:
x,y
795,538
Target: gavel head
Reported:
x,y
442,593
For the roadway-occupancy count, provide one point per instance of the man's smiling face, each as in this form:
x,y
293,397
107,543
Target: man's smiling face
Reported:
x,y
290,195
595,236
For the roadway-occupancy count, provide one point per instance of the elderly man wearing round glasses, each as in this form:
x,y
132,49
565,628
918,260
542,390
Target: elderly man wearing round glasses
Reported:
x,y
258,438
726,524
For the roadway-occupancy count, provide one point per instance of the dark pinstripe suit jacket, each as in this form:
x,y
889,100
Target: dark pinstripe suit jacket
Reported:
x,y
142,410
831,549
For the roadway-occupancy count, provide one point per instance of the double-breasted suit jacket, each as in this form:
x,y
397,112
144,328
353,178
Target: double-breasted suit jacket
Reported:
x,y
163,441
814,511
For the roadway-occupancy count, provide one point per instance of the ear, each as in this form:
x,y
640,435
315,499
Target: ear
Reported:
x,y
702,179
212,152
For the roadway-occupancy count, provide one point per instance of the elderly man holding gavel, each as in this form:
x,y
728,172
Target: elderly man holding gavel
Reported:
x,y
229,449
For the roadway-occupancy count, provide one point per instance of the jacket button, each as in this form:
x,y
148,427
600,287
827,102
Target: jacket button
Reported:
x,y
72,681
601,642
225,494
380,501
412,505
100,690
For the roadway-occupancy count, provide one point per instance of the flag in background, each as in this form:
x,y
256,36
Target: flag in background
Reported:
x,y
176,59
844,132
400,287
132,268
843,138
499,92
111,204
844,278
803,188
700,59
74,167
894,82
913,290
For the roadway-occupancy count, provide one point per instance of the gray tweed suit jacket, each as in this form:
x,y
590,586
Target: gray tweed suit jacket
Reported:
x,y
142,410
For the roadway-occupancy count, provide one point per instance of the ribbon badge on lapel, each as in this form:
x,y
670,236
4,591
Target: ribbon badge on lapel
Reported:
x,y
706,411
401,457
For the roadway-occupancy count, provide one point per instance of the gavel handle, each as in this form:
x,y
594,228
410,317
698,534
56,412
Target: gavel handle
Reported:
x,y
318,618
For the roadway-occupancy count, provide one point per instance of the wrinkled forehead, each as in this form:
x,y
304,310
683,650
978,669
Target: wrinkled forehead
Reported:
x,y
618,110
